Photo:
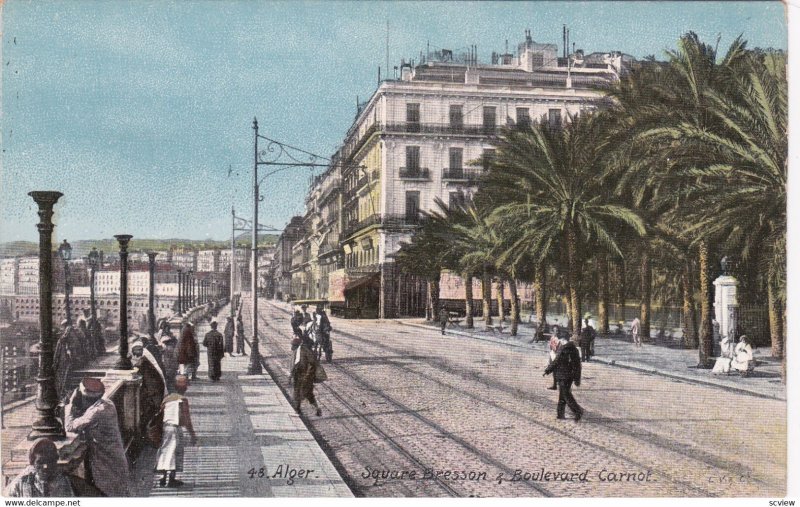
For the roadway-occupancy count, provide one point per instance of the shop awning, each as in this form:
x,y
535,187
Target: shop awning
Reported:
x,y
374,278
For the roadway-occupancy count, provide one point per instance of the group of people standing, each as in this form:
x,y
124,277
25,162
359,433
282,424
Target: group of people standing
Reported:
x,y
306,369
76,348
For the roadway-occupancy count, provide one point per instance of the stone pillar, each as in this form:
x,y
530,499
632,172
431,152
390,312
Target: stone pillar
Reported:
x,y
124,362
387,297
47,425
726,307
151,312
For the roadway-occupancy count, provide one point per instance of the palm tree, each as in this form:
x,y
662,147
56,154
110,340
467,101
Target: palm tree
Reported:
x,y
742,173
555,197
660,162
478,241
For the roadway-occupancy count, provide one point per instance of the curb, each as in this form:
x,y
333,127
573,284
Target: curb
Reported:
x,y
619,364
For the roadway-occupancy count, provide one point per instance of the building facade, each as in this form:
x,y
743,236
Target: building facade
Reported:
x,y
419,139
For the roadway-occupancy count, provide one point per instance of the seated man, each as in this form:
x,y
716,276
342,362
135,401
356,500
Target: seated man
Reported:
x,y
743,361
723,362
43,478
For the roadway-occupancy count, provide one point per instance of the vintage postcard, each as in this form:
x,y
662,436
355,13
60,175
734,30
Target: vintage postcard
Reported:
x,y
395,250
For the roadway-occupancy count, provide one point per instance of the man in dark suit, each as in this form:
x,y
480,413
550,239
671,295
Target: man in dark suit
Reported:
x,y
588,335
566,368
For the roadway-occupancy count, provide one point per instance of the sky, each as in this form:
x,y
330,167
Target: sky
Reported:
x,y
138,110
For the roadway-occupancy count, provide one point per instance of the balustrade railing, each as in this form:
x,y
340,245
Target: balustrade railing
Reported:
x,y
415,173
461,174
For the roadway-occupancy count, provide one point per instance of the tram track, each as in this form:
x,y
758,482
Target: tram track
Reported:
x,y
353,342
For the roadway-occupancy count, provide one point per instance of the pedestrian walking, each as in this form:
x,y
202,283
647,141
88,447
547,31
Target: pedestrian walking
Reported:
x,y
324,330
636,332
215,348
552,347
566,368
154,383
587,337
444,318
306,316
240,335
96,332
62,363
229,333
87,345
296,323
174,418
96,419
304,372
188,352
169,355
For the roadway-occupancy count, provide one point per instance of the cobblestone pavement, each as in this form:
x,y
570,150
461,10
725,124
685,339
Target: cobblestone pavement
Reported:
x,y
402,399
653,357
251,443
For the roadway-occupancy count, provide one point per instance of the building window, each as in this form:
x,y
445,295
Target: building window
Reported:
x,y
456,117
456,199
412,117
412,158
554,118
456,160
412,206
523,117
489,117
488,159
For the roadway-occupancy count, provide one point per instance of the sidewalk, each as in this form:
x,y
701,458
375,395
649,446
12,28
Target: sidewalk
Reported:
x,y
679,364
243,424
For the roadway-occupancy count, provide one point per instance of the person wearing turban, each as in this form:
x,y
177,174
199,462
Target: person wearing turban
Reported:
x,y
95,418
44,478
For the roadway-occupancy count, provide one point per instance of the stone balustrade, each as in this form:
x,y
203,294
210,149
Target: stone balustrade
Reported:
x,y
123,388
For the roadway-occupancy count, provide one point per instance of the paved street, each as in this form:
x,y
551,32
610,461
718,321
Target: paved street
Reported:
x,y
250,442
404,399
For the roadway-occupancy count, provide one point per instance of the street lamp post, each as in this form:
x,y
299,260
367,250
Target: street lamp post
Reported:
x,y
151,313
94,257
94,328
47,424
191,288
65,252
254,367
180,292
124,362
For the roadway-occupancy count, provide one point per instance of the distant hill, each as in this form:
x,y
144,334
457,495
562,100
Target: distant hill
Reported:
x,y
81,248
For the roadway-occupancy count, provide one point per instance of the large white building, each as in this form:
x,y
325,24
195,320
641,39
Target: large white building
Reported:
x,y
412,142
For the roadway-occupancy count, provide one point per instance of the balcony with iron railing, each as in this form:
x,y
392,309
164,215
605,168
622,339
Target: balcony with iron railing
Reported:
x,y
415,173
441,128
461,174
388,221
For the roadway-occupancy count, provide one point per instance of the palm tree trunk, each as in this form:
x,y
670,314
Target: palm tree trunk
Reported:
x,y
512,288
783,361
433,297
645,292
540,291
602,294
620,265
572,281
468,300
706,329
501,289
775,328
689,308
486,289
